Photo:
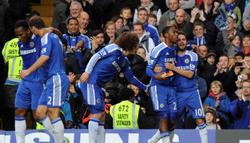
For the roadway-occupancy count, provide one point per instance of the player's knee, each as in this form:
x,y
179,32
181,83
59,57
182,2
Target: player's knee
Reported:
x,y
20,112
54,113
40,114
199,121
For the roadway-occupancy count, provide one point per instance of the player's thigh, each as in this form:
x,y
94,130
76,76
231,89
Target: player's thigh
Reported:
x,y
181,100
53,113
36,89
93,96
23,96
159,97
171,102
56,90
194,104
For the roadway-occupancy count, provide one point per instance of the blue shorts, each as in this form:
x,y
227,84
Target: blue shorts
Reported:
x,y
28,94
164,100
55,91
93,96
190,100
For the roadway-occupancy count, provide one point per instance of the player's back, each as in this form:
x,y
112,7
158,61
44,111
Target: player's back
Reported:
x,y
30,52
52,47
108,67
188,61
160,55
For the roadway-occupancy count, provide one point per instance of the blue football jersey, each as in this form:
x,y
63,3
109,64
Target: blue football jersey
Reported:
x,y
188,61
160,55
30,52
52,47
107,63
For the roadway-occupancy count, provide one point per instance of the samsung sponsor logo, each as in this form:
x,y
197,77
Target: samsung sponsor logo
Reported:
x,y
26,52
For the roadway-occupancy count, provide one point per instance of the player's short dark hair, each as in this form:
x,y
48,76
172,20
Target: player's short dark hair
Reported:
x,y
128,41
167,29
182,33
23,24
37,22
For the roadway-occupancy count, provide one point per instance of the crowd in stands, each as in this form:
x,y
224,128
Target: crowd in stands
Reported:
x,y
217,30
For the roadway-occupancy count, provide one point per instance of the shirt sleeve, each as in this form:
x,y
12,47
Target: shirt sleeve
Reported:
x,y
46,45
194,62
94,59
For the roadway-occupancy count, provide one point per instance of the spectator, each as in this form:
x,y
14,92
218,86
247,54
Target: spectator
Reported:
x,y
95,12
152,20
126,14
238,57
59,14
210,10
66,107
199,37
182,24
208,69
218,99
150,7
129,120
75,10
138,64
229,7
83,19
144,40
211,119
119,27
169,15
240,108
153,32
202,51
141,52
185,4
234,46
246,18
222,41
246,44
226,75
243,76
246,61
110,34
97,43
75,41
